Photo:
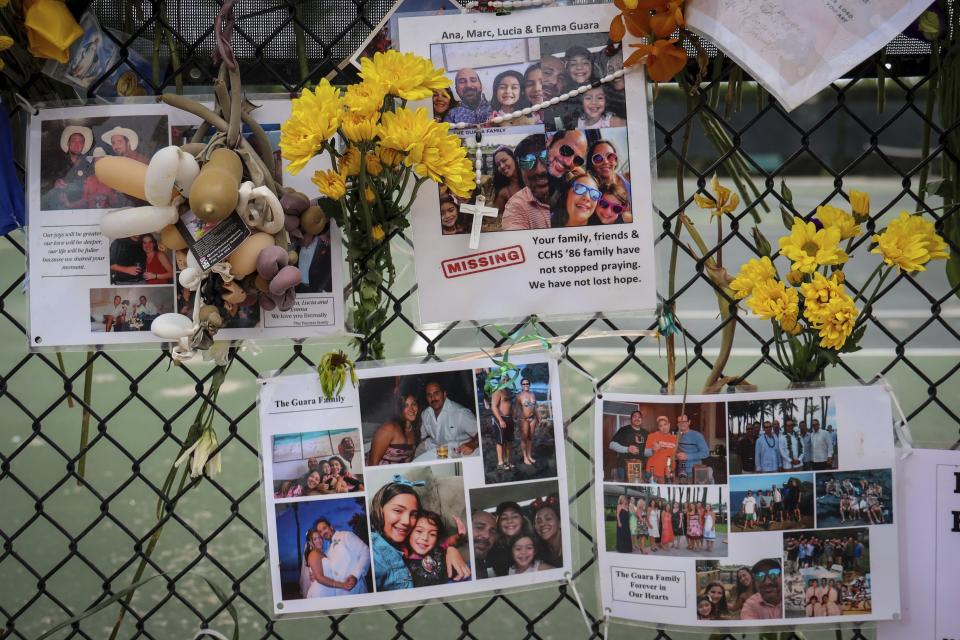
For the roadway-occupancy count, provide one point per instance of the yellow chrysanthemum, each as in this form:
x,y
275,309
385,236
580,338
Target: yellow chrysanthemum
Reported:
x,y
314,118
405,75
817,293
837,321
790,325
365,98
389,157
860,205
370,195
794,277
773,300
753,272
330,184
5,43
376,233
359,128
838,219
723,201
809,247
909,242
374,166
349,163
429,149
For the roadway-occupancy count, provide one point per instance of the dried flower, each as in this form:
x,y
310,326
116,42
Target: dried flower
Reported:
x,y
722,200
199,454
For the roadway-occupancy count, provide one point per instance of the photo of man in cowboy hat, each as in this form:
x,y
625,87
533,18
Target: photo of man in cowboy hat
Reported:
x,y
65,190
124,142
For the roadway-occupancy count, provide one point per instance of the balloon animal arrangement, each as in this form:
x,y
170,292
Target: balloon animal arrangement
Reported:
x,y
213,180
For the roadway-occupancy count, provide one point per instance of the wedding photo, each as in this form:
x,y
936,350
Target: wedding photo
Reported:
x,y
324,548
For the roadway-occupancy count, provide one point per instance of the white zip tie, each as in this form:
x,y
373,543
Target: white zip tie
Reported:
x,y
23,102
901,426
605,622
576,594
210,632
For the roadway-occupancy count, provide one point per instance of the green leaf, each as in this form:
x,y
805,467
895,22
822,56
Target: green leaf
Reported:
x,y
232,610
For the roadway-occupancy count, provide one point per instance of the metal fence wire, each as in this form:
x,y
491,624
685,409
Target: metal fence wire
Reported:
x,y
70,542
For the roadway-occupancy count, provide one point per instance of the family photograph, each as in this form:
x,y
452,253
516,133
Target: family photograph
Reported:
x,y
772,503
854,498
827,573
317,463
730,591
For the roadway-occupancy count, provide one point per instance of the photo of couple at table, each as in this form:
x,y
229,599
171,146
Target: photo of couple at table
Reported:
x,y
666,520
570,178
317,463
516,418
323,548
418,526
419,417
827,573
664,443
517,529
494,78
740,591
783,434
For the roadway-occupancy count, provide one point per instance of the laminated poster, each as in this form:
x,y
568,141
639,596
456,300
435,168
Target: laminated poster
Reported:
x,y
748,509
86,289
796,49
567,225
423,482
930,547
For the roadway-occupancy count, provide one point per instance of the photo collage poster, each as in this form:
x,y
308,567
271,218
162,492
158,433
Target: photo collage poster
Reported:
x,y
570,184
423,482
87,289
750,509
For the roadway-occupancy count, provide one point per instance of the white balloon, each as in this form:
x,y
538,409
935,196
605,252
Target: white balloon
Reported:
x,y
171,326
136,221
161,176
187,172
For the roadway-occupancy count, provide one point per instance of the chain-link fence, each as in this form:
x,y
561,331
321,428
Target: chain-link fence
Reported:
x,y
70,541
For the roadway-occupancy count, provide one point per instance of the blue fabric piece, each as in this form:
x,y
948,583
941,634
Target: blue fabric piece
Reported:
x,y
12,210
390,569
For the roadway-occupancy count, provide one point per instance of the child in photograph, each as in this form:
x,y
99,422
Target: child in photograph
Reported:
x,y
393,515
427,546
704,608
576,203
523,550
613,205
509,96
451,220
716,594
579,63
593,112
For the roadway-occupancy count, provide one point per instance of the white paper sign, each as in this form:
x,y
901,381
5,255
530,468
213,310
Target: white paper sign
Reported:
x,y
86,289
563,243
751,509
375,484
929,559
796,49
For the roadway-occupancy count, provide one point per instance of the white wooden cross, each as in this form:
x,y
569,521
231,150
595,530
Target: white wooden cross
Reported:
x,y
479,211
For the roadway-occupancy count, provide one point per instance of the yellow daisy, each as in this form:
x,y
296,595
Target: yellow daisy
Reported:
x,y
909,242
405,75
314,118
817,293
753,272
837,321
832,217
330,184
810,248
773,300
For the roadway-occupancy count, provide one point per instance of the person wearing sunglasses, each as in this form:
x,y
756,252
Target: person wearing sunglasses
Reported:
x,y
567,149
578,201
529,207
604,160
593,113
614,203
474,108
767,603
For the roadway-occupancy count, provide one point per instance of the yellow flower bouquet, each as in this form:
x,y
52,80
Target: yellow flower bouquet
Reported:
x,y
386,151
813,316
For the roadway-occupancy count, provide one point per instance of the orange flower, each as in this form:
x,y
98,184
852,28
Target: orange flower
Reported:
x,y
643,17
664,59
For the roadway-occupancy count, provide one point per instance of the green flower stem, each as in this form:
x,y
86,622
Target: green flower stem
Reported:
x,y
167,500
85,421
674,254
862,318
929,103
866,285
